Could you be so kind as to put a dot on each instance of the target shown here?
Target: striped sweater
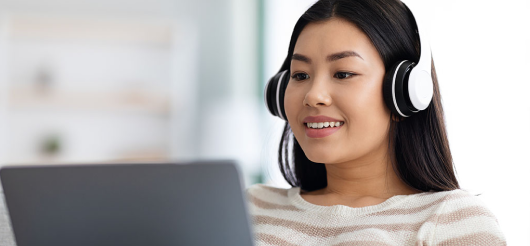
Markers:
(283, 217)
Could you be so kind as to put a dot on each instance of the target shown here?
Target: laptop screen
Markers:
(196, 203)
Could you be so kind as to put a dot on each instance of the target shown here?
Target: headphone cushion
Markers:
(275, 92)
(270, 88)
(395, 88)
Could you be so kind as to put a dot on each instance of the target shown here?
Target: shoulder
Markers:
(464, 218)
(263, 191)
(265, 187)
(461, 205)
(266, 197)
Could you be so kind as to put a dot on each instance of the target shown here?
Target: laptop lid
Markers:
(192, 204)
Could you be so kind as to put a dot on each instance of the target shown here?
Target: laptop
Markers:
(194, 203)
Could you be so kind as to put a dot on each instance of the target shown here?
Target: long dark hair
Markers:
(418, 144)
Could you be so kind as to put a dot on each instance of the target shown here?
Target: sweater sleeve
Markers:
(6, 234)
(467, 221)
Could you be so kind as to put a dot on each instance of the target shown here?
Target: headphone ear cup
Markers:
(395, 89)
(275, 93)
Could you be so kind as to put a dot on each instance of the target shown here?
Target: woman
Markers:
(362, 174)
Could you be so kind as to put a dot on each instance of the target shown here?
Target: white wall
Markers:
(481, 49)
(3, 87)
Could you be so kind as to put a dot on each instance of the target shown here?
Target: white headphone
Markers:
(408, 87)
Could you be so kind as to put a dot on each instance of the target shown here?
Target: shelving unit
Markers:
(99, 88)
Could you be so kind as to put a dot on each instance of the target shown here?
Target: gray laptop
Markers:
(192, 204)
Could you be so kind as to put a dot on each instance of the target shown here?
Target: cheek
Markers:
(363, 101)
(368, 119)
(293, 104)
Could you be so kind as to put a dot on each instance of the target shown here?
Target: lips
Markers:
(321, 132)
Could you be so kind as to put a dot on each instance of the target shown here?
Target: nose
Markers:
(318, 94)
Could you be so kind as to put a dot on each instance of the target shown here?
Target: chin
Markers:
(320, 156)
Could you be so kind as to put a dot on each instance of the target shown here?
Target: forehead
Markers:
(319, 39)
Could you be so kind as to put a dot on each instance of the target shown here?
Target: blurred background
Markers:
(173, 80)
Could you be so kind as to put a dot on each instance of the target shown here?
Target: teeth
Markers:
(320, 125)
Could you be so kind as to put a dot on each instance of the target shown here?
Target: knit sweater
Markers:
(283, 217)
(6, 234)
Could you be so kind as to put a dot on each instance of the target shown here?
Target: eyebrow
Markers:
(330, 58)
(344, 54)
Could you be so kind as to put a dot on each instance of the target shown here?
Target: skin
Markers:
(348, 88)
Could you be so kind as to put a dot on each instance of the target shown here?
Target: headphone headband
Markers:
(420, 85)
(419, 15)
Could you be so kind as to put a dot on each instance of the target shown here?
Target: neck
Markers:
(372, 177)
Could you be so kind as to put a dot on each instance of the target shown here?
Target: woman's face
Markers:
(337, 76)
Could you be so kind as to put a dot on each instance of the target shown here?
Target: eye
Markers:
(300, 76)
(343, 75)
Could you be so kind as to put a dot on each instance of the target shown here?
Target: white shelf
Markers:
(65, 27)
(27, 98)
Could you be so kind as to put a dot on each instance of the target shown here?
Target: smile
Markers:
(322, 129)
